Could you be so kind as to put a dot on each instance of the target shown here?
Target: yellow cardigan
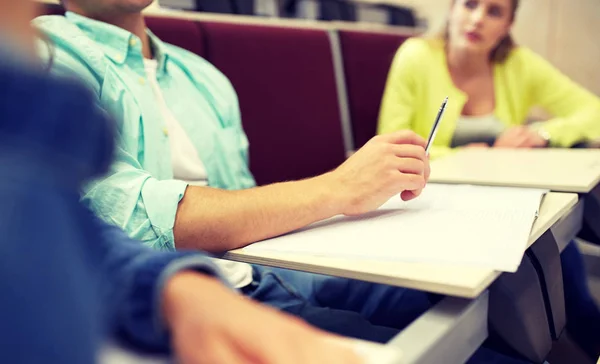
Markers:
(419, 81)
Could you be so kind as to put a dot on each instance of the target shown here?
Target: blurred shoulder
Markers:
(417, 54)
(524, 58)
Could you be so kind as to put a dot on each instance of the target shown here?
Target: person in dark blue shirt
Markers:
(70, 282)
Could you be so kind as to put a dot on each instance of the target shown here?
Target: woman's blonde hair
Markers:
(500, 53)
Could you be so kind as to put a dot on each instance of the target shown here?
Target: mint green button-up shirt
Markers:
(140, 194)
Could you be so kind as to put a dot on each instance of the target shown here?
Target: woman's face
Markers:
(15, 18)
(479, 25)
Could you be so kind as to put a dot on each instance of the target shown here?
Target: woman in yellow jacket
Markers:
(492, 85)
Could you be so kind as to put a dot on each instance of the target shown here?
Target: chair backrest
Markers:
(400, 15)
(288, 98)
(215, 6)
(337, 10)
(244, 7)
(288, 8)
(367, 58)
(180, 32)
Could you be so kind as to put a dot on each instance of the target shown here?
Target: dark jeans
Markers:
(377, 312)
(357, 309)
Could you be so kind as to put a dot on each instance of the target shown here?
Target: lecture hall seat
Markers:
(342, 10)
(215, 6)
(244, 7)
(401, 16)
(285, 81)
(180, 32)
(367, 58)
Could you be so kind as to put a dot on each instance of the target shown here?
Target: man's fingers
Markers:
(283, 350)
(522, 141)
(405, 137)
(339, 351)
(411, 166)
(226, 354)
(410, 151)
(411, 181)
(216, 350)
(410, 195)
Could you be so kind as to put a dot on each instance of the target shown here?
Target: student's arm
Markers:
(167, 214)
(134, 279)
(223, 327)
(221, 220)
(218, 220)
(164, 299)
(399, 98)
(48, 307)
(576, 111)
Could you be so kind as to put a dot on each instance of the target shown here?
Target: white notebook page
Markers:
(451, 224)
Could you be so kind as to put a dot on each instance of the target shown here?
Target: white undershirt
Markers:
(477, 129)
(188, 167)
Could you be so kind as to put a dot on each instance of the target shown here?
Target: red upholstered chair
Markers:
(180, 32)
(285, 81)
(367, 59)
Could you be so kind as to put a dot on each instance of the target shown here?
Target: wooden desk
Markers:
(463, 281)
(562, 170)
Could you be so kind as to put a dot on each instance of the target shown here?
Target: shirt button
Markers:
(166, 132)
(118, 58)
(142, 81)
(132, 42)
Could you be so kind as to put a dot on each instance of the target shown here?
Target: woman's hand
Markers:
(520, 137)
(477, 145)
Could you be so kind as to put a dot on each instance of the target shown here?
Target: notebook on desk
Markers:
(447, 224)
(557, 169)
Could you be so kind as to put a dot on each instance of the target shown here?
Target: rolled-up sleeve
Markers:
(136, 202)
(128, 197)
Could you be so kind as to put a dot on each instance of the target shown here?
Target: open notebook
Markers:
(447, 224)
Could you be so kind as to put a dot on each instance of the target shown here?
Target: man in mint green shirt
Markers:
(166, 101)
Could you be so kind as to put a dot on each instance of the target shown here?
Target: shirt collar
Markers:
(161, 52)
(117, 43)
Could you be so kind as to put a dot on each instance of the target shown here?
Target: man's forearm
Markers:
(218, 220)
